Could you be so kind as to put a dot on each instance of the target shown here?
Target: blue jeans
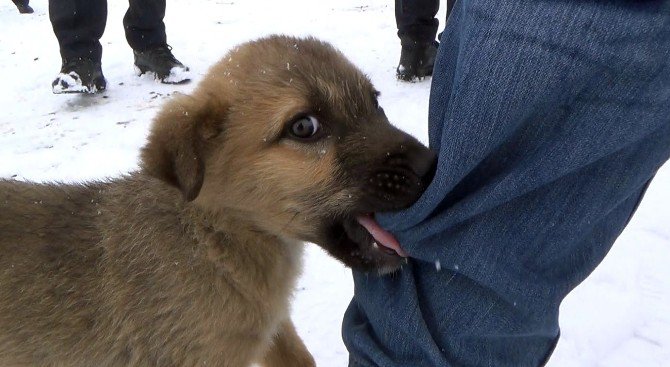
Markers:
(549, 118)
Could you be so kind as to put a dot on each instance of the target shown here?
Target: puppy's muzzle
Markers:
(401, 176)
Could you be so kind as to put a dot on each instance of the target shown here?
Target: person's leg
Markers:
(23, 6)
(145, 33)
(450, 6)
(417, 27)
(416, 20)
(78, 26)
(549, 119)
(143, 24)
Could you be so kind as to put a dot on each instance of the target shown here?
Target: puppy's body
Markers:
(191, 261)
(126, 273)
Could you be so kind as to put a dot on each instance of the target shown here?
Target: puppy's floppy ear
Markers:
(177, 144)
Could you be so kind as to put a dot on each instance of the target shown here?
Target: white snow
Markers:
(70, 83)
(178, 74)
(619, 317)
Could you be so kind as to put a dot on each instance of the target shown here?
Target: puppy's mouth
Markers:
(362, 244)
(382, 239)
(389, 183)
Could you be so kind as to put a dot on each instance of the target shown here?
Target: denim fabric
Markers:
(549, 119)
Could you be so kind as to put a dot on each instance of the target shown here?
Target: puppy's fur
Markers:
(191, 261)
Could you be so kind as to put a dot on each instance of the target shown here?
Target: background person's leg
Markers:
(417, 27)
(143, 24)
(23, 6)
(549, 119)
(145, 33)
(416, 19)
(450, 5)
(78, 26)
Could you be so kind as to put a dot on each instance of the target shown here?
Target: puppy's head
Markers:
(286, 134)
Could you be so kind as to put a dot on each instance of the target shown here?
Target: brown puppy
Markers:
(192, 260)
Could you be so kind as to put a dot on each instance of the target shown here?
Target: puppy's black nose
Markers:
(416, 158)
(423, 162)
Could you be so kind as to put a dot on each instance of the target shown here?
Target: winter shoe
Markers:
(416, 60)
(162, 64)
(79, 76)
(23, 7)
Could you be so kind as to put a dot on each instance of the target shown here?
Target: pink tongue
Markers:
(382, 236)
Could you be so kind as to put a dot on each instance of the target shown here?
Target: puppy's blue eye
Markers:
(305, 127)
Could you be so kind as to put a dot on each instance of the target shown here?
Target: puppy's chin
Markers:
(351, 243)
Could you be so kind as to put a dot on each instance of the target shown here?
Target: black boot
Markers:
(23, 6)
(162, 64)
(416, 60)
(79, 76)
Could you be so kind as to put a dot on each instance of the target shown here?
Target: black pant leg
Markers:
(450, 5)
(416, 19)
(144, 25)
(78, 26)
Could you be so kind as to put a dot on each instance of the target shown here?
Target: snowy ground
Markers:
(619, 317)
